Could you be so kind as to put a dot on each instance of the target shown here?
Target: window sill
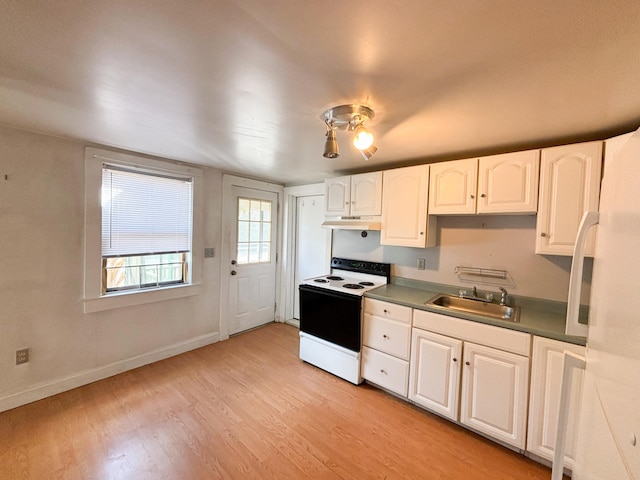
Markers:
(130, 299)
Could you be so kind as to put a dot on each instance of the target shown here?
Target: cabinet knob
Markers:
(346, 203)
(467, 363)
(385, 335)
(382, 371)
(482, 195)
(543, 234)
(421, 233)
(386, 311)
(455, 359)
(472, 196)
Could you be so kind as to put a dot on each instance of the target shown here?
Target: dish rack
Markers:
(484, 276)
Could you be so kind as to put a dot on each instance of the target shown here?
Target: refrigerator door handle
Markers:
(589, 219)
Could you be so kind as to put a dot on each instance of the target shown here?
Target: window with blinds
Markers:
(146, 229)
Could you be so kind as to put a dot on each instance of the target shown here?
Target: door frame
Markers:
(228, 182)
(289, 246)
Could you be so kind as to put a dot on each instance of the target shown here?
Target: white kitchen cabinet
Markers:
(569, 186)
(386, 339)
(506, 183)
(546, 382)
(452, 187)
(434, 380)
(494, 393)
(404, 208)
(354, 195)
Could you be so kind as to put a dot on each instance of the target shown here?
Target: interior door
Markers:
(252, 262)
(313, 243)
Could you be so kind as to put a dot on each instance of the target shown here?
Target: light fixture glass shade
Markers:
(331, 145)
(363, 138)
(367, 153)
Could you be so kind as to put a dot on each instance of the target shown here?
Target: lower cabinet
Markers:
(482, 387)
(435, 372)
(495, 387)
(546, 381)
(386, 338)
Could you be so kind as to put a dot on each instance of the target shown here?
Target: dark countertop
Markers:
(545, 318)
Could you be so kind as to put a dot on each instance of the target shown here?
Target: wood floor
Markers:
(246, 408)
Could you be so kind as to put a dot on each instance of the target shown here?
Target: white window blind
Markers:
(144, 213)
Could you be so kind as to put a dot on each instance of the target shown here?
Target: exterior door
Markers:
(252, 262)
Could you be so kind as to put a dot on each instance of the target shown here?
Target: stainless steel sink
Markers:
(475, 306)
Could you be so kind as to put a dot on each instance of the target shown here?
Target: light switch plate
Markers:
(209, 252)
(420, 264)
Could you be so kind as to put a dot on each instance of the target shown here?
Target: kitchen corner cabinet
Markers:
(506, 183)
(404, 208)
(386, 337)
(354, 195)
(493, 392)
(569, 186)
(546, 382)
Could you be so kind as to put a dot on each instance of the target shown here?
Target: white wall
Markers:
(41, 279)
(498, 242)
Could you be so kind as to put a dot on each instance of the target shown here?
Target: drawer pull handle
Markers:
(383, 371)
(385, 336)
(386, 311)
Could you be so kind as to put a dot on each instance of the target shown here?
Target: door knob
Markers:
(233, 262)
(233, 272)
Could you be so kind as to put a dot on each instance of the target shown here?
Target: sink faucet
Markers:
(503, 296)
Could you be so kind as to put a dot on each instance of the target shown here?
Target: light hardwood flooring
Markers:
(246, 408)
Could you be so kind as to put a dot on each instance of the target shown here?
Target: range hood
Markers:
(352, 223)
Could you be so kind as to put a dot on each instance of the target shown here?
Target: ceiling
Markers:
(241, 85)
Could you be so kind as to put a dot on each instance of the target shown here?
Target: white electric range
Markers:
(331, 315)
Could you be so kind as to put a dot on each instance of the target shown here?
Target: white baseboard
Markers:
(70, 382)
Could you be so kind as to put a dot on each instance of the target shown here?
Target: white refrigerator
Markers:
(608, 443)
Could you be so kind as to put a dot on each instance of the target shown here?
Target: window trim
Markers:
(93, 299)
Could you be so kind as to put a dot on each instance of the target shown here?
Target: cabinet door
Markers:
(434, 372)
(546, 382)
(404, 208)
(495, 393)
(569, 186)
(509, 183)
(452, 187)
(366, 194)
(337, 194)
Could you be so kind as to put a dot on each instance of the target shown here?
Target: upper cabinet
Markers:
(354, 195)
(569, 186)
(506, 183)
(404, 208)
(452, 187)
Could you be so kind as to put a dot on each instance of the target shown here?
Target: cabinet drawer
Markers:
(497, 337)
(386, 371)
(388, 310)
(389, 336)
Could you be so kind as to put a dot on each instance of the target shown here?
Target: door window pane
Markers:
(254, 231)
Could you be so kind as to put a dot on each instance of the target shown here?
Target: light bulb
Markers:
(331, 145)
(363, 138)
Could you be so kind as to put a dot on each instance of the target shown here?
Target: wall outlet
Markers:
(22, 356)
(420, 264)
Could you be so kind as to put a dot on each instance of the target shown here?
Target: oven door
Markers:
(331, 316)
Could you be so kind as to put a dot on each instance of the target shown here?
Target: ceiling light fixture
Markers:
(350, 118)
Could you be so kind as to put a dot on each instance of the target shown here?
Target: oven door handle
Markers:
(327, 292)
